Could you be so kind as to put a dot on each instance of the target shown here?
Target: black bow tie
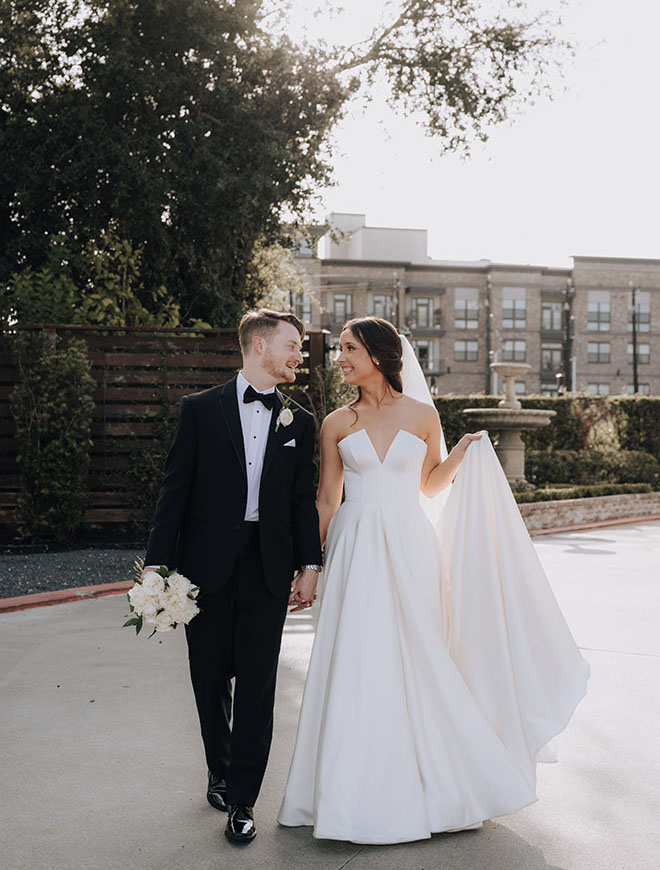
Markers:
(267, 399)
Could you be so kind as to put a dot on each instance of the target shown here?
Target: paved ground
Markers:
(102, 767)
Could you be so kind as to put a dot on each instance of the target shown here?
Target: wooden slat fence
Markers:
(135, 369)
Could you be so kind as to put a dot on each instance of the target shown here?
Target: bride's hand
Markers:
(468, 438)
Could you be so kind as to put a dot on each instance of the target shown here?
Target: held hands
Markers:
(303, 590)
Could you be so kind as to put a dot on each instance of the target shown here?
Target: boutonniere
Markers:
(285, 417)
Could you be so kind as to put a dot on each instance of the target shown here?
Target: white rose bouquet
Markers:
(162, 598)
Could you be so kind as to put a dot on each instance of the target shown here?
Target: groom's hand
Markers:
(303, 590)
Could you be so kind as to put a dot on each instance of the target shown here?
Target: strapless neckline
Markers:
(387, 452)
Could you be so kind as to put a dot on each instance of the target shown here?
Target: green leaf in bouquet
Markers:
(136, 621)
(163, 571)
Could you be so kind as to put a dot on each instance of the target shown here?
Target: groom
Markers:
(236, 514)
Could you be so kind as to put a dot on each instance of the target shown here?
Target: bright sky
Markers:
(575, 175)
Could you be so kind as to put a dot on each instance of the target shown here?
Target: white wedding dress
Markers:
(442, 666)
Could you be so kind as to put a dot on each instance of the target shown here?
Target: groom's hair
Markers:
(264, 321)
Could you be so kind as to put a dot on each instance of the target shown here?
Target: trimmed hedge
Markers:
(564, 492)
(581, 422)
(638, 422)
(591, 466)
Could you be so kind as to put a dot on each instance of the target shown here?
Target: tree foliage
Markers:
(189, 129)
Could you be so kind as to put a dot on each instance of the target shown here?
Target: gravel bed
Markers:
(23, 573)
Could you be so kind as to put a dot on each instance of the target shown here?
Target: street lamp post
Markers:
(396, 284)
(568, 336)
(488, 336)
(633, 291)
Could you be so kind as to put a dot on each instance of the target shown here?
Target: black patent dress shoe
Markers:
(216, 793)
(240, 824)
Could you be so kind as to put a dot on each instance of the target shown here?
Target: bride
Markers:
(442, 666)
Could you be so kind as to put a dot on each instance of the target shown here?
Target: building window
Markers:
(382, 305)
(514, 308)
(642, 389)
(466, 308)
(514, 350)
(551, 354)
(643, 304)
(549, 390)
(598, 311)
(424, 351)
(466, 351)
(520, 388)
(643, 353)
(422, 312)
(598, 389)
(598, 351)
(551, 316)
(302, 307)
(342, 305)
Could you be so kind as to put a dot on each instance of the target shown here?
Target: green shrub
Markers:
(591, 466)
(564, 492)
(638, 422)
(37, 297)
(52, 407)
(146, 460)
(581, 422)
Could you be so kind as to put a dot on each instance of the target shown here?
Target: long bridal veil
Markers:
(503, 626)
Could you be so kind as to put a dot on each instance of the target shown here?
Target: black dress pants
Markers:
(237, 634)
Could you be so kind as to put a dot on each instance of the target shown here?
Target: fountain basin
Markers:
(510, 419)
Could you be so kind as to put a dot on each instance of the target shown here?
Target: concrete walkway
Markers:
(102, 765)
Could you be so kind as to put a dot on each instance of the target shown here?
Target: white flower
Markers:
(180, 584)
(137, 598)
(163, 621)
(168, 598)
(184, 612)
(149, 610)
(285, 417)
(152, 583)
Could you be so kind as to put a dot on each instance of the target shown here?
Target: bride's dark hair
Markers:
(383, 345)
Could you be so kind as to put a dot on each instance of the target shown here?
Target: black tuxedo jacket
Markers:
(202, 500)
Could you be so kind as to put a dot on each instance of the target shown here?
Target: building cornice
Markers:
(482, 268)
(640, 261)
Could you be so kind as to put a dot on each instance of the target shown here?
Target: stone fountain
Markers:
(510, 419)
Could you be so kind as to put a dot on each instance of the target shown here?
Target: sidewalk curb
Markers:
(63, 596)
(80, 593)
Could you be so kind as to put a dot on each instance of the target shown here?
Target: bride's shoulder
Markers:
(337, 420)
(424, 410)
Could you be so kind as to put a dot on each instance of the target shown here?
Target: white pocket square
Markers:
(291, 443)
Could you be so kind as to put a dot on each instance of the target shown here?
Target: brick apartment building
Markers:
(573, 326)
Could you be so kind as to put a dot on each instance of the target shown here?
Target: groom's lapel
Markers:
(228, 399)
(273, 436)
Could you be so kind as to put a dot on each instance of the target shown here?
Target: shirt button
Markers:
(249, 463)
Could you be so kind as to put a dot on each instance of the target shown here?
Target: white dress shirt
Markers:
(255, 422)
